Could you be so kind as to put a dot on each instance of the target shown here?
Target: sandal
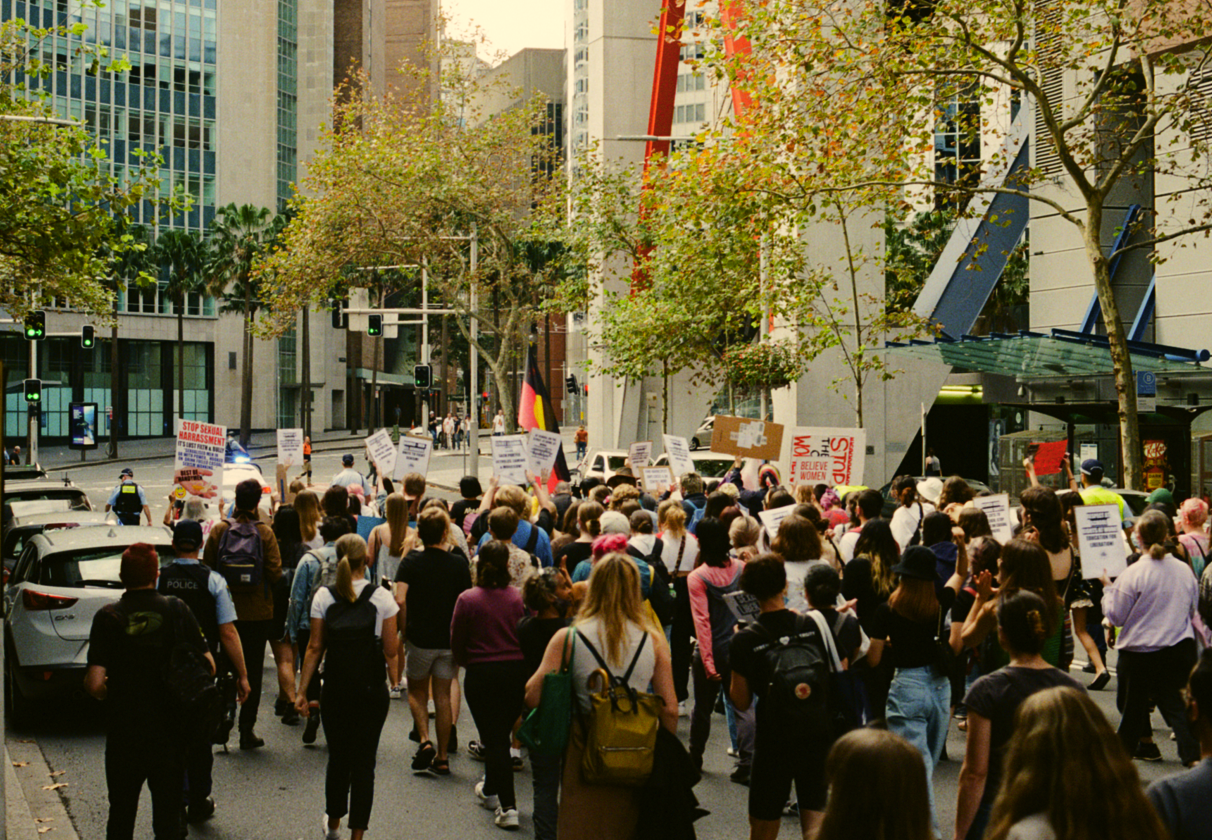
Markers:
(424, 757)
(439, 767)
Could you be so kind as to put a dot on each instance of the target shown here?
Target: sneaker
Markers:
(200, 811)
(791, 809)
(489, 802)
(683, 709)
(731, 752)
(394, 692)
(517, 763)
(313, 726)
(740, 775)
(329, 833)
(506, 818)
(476, 750)
(1147, 752)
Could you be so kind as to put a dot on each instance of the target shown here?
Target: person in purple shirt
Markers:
(484, 640)
(1154, 602)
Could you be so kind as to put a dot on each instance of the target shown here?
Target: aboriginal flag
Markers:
(536, 412)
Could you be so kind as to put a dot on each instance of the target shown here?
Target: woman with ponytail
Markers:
(353, 629)
(387, 546)
(1024, 623)
(589, 526)
(1154, 602)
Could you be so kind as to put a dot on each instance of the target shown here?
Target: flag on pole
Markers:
(536, 412)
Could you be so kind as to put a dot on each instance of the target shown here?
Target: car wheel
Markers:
(694, 444)
(20, 708)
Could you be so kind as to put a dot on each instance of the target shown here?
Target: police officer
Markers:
(128, 500)
(206, 594)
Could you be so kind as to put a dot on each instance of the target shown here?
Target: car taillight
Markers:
(45, 601)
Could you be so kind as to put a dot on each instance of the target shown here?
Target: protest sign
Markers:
(510, 460)
(1100, 540)
(382, 452)
(657, 479)
(745, 607)
(290, 447)
(198, 465)
(830, 456)
(542, 448)
(749, 438)
(678, 450)
(412, 456)
(773, 518)
(1048, 455)
(997, 511)
(640, 455)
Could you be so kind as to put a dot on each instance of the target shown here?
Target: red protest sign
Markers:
(1048, 457)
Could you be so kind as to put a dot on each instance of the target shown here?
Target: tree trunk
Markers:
(305, 404)
(1125, 380)
(246, 384)
(112, 446)
(180, 304)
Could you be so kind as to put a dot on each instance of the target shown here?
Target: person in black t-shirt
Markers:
(129, 645)
(471, 491)
(778, 760)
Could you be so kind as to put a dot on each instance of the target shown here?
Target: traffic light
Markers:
(33, 391)
(571, 384)
(374, 325)
(421, 377)
(340, 320)
(88, 337)
(35, 325)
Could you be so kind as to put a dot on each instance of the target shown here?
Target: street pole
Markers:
(425, 337)
(35, 413)
(763, 271)
(473, 432)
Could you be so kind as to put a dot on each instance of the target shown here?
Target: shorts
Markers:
(778, 763)
(420, 663)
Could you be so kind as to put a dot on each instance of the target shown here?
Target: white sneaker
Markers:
(394, 692)
(732, 753)
(506, 818)
(683, 709)
(329, 833)
(491, 803)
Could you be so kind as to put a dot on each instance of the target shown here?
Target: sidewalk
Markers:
(33, 807)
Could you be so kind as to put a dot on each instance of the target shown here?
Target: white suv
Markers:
(61, 580)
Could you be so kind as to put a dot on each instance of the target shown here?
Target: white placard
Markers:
(198, 464)
(640, 455)
(542, 448)
(510, 460)
(678, 450)
(832, 456)
(997, 511)
(382, 451)
(657, 479)
(745, 607)
(412, 456)
(773, 518)
(290, 447)
(1088, 451)
(1100, 539)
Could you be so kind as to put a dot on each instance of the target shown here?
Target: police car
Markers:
(61, 580)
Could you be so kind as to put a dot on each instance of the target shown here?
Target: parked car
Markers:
(602, 464)
(56, 496)
(702, 435)
(890, 504)
(25, 525)
(712, 466)
(24, 472)
(60, 581)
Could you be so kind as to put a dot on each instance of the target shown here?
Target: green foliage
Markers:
(763, 366)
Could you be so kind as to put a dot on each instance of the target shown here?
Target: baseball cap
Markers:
(126, 471)
(187, 534)
(1090, 466)
(613, 522)
(347, 459)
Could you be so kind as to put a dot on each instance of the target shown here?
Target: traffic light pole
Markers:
(34, 412)
(473, 389)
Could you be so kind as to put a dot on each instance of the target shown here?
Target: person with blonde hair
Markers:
(875, 760)
(743, 535)
(1066, 777)
(615, 624)
(346, 619)
(307, 505)
(387, 545)
(680, 553)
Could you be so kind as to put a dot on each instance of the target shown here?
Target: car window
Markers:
(712, 466)
(617, 462)
(597, 464)
(98, 567)
(14, 542)
(22, 570)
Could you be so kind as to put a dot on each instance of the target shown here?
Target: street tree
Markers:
(848, 95)
(405, 180)
(182, 257)
(130, 263)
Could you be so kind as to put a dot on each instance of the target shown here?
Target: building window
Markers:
(957, 140)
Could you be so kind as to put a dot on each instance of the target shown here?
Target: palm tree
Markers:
(182, 254)
(128, 266)
(239, 235)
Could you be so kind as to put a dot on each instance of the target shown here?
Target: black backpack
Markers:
(354, 661)
(797, 693)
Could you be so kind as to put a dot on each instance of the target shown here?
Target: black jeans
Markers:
(132, 759)
(353, 722)
(199, 762)
(705, 694)
(494, 692)
(679, 643)
(253, 637)
(1161, 676)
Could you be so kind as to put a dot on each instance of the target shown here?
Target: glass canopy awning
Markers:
(1030, 355)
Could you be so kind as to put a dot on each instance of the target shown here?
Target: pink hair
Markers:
(1194, 512)
(607, 543)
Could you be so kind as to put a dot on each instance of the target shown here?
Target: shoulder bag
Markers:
(545, 729)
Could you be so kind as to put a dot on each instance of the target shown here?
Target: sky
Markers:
(510, 25)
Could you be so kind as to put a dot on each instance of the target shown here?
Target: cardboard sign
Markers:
(773, 518)
(744, 606)
(542, 449)
(640, 455)
(382, 451)
(657, 479)
(997, 511)
(290, 447)
(678, 450)
(510, 459)
(750, 438)
(827, 456)
(1048, 456)
(412, 456)
(198, 464)
(1100, 539)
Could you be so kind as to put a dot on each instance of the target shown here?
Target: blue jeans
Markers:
(919, 704)
(546, 770)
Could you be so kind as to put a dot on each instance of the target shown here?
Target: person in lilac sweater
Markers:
(484, 641)
(1154, 602)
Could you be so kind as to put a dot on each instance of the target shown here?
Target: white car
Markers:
(712, 466)
(233, 474)
(602, 464)
(60, 581)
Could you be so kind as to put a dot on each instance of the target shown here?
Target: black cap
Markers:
(126, 471)
(1092, 466)
(187, 535)
(347, 460)
(917, 562)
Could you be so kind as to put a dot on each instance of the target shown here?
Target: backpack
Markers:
(354, 660)
(620, 741)
(797, 691)
(326, 575)
(192, 686)
(532, 544)
(240, 558)
(695, 517)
